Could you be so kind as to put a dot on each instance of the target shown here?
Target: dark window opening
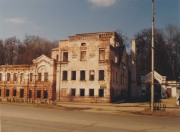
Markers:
(83, 56)
(82, 75)
(73, 75)
(0, 76)
(91, 75)
(46, 76)
(65, 75)
(38, 93)
(91, 92)
(45, 94)
(82, 92)
(57, 57)
(39, 76)
(30, 93)
(101, 92)
(83, 44)
(101, 74)
(0, 92)
(65, 56)
(73, 92)
(22, 76)
(7, 92)
(21, 93)
(14, 92)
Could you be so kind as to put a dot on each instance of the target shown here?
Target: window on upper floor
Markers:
(101, 54)
(57, 57)
(83, 44)
(91, 75)
(31, 77)
(65, 76)
(39, 76)
(83, 56)
(22, 77)
(15, 77)
(46, 76)
(0, 76)
(8, 76)
(73, 75)
(82, 75)
(101, 75)
(65, 56)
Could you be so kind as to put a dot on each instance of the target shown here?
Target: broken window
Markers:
(21, 93)
(46, 76)
(38, 93)
(83, 56)
(30, 93)
(65, 56)
(14, 92)
(101, 74)
(31, 76)
(0, 76)
(73, 75)
(45, 94)
(39, 76)
(73, 92)
(7, 92)
(101, 92)
(101, 54)
(15, 77)
(65, 75)
(91, 92)
(8, 76)
(82, 92)
(82, 75)
(91, 75)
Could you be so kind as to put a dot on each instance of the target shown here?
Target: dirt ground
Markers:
(167, 107)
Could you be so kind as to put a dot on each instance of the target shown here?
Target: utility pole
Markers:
(152, 50)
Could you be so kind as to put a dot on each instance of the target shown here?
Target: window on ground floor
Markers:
(7, 92)
(30, 93)
(38, 93)
(21, 93)
(82, 92)
(14, 92)
(73, 92)
(45, 94)
(91, 92)
(101, 92)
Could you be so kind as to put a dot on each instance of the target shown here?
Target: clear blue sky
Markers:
(58, 19)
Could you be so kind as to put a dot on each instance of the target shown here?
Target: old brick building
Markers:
(90, 67)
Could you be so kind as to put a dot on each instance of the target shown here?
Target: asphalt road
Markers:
(29, 119)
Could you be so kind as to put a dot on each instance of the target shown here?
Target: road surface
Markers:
(33, 119)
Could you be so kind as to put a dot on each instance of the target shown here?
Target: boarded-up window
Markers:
(82, 92)
(83, 56)
(73, 92)
(91, 75)
(73, 75)
(101, 74)
(65, 75)
(15, 77)
(64, 92)
(65, 56)
(8, 76)
(39, 76)
(82, 75)
(46, 76)
(101, 54)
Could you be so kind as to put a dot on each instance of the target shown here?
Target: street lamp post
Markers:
(152, 50)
